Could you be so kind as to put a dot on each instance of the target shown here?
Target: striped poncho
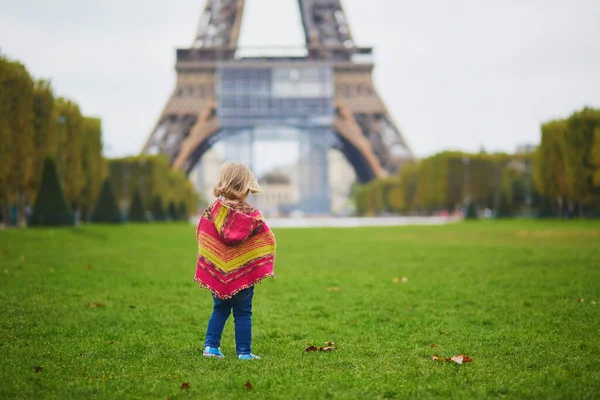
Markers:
(236, 248)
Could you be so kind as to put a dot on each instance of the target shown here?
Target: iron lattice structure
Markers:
(328, 94)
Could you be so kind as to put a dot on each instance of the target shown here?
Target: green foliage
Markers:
(472, 211)
(153, 176)
(504, 293)
(17, 147)
(158, 212)
(34, 125)
(566, 165)
(44, 126)
(578, 147)
(70, 124)
(183, 211)
(137, 213)
(50, 207)
(173, 213)
(359, 194)
(92, 163)
(107, 208)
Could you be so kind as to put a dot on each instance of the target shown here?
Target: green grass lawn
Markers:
(506, 294)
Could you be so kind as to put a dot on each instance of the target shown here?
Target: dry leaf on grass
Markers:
(248, 385)
(581, 300)
(433, 345)
(334, 289)
(185, 386)
(330, 347)
(456, 359)
(89, 267)
(398, 280)
(94, 304)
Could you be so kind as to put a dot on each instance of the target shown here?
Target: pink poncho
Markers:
(236, 248)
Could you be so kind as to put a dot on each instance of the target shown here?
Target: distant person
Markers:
(236, 250)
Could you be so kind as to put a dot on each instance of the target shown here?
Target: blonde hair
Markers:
(235, 182)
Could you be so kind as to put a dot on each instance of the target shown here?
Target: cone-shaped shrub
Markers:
(107, 208)
(158, 213)
(504, 209)
(472, 211)
(50, 207)
(136, 211)
(183, 213)
(173, 212)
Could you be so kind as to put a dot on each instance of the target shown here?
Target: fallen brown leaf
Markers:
(94, 304)
(433, 345)
(330, 347)
(334, 289)
(581, 300)
(248, 385)
(89, 267)
(457, 359)
(185, 386)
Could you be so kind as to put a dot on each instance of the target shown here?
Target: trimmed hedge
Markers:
(107, 209)
(50, 206)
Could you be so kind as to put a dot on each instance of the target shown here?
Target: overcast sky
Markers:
(457, 74)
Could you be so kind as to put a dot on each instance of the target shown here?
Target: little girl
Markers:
(236, 250)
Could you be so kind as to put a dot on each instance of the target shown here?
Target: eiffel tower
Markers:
(327, 94)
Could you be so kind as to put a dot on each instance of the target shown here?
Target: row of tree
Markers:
(567, 163)
(155, 180)
(51, 207)
(450, 181)
(561, 176)
(34, 125)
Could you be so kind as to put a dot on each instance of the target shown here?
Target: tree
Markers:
(137, 213)
(577, 151)
(107, 209)
(44, 127)
(549, 174)
(6, 139)
(158, 213)
(17, 144)
(596, 156)
(173, 212)
(70, 123)
(183, 211)
(92, 163)
(472, 211)
(152, 176)
(50, 207)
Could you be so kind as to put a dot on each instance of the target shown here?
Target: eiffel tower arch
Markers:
(327, 96)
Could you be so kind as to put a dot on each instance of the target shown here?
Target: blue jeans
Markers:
(241, 303)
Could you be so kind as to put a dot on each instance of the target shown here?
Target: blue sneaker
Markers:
(248, 357)
(212, 352)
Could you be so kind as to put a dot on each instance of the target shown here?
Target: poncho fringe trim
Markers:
(229, 296)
